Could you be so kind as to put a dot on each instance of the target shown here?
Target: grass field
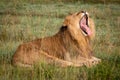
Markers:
(24, 21)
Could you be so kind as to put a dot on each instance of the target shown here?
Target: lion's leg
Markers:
(87, 62)
(60, 62)
(81, 60)
(67, 56)
(93, 61)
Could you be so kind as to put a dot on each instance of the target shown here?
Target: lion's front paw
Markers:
(95, 60)
(92, 61)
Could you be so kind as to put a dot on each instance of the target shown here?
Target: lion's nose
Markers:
(85, 12)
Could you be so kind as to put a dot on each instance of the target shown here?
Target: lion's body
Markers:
(69, 47)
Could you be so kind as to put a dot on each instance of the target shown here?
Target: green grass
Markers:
(24, 21)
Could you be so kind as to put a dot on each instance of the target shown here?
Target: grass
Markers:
(23, 21)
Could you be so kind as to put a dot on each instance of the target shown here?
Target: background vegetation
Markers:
(25, 20)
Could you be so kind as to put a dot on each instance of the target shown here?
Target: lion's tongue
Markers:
(85, 27)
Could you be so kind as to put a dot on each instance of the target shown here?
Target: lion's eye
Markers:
(80, 12)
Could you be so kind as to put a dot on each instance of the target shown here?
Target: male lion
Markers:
(71, 46)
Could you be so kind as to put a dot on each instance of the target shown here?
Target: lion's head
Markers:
(80, 24)
(81, 28)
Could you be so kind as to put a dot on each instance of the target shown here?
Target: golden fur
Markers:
(69, 47)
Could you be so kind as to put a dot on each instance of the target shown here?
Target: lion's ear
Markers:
(63, 28)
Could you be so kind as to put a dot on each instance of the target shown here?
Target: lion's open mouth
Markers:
(84, 25)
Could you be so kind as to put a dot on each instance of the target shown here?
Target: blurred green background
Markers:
(25, 20)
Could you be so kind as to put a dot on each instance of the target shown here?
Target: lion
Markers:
(71, 46)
